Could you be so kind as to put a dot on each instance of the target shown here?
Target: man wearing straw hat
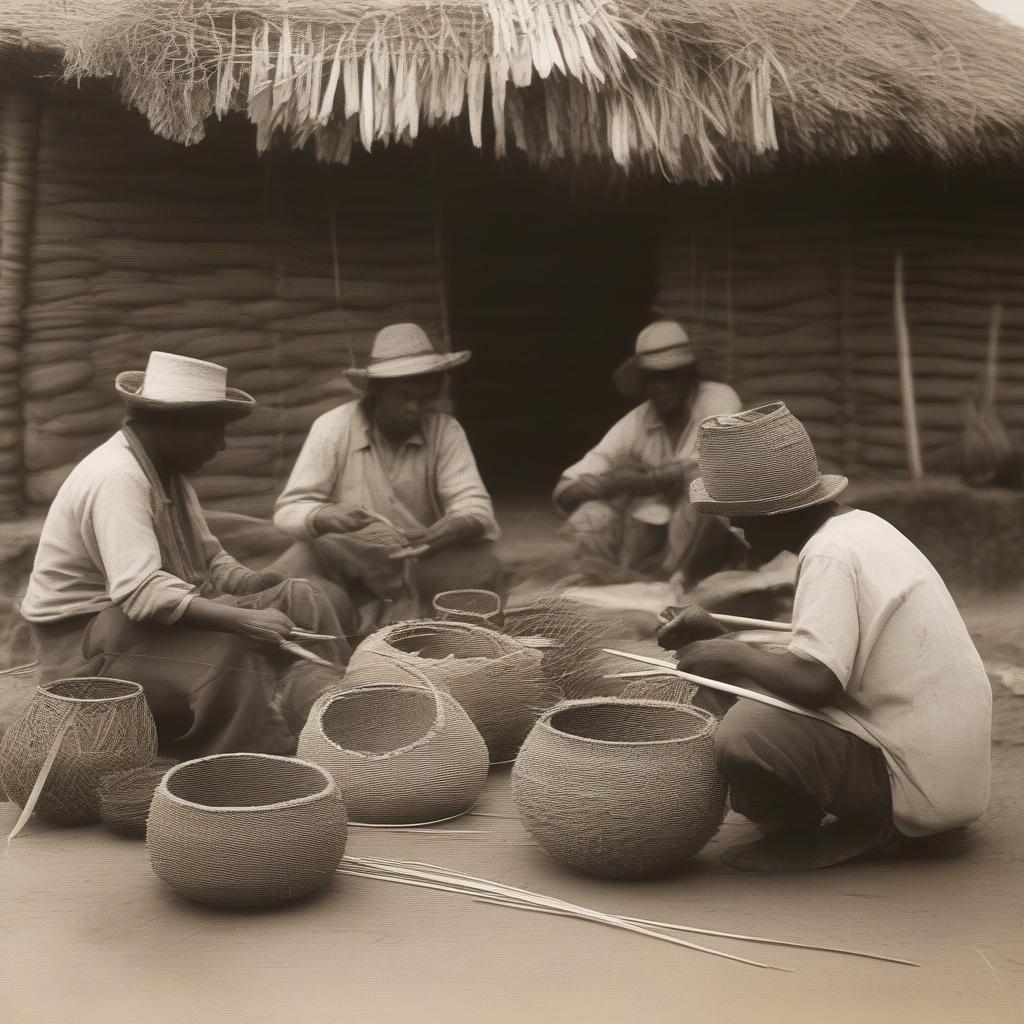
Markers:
(385, 497)
(129, 582)
(626, 499)
(897, 745)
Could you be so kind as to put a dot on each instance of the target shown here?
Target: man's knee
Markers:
(748, 736)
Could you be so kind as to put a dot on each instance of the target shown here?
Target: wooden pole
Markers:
(913, 440)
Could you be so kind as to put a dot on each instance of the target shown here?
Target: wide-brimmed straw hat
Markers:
(660, 346)
(174, 383)
(759, 462)
(404, 350)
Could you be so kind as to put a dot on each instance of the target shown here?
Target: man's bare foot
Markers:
(808, 848)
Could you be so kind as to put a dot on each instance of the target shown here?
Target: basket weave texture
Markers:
(125, 797)
(108, 728)
(670, 688)
(401, 753)
(246, 830)
(620, 788)
(480, 607)
(500, 683)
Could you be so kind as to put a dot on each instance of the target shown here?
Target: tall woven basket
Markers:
(620, 788)
(246, 830)
(479, 607)
(90, 727)
(401, 753)
(499, 682)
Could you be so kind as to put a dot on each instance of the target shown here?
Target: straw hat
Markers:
(404, 350)
(660, 346)
(759, 463)
(179, 384)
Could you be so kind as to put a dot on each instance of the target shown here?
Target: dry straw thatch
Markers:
(693, 89)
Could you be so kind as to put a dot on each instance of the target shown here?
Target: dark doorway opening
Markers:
(548, 287)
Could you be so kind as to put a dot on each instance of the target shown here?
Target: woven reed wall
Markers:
(214, 253)
(792, 299)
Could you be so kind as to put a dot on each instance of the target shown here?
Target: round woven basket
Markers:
(620, 788)
(97, 725)
(479, 607)
(498, 681)
(125, 797)
(401, 753)
(246, 830)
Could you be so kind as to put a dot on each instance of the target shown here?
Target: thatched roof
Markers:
(694, 89)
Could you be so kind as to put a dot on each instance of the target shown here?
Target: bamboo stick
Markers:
(906, 373)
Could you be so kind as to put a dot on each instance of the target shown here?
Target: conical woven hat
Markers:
(759, 462)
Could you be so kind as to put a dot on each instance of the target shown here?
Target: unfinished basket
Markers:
(246, 830)
(92, 726)
(125, 797)
(401, 753)
(620, 788)
(479, 607)
(498, 681)
(670, 688)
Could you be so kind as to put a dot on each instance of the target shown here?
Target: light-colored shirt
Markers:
(872, 608)
(98, 547)
(641, 436)
(345, 461)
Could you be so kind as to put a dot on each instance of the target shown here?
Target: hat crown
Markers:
(756, 455)
(661, 335)
(399, 341)
(174, 378)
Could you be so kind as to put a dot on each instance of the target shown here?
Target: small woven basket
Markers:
(246, 830)
(498, 681)
(620, 788)
(93, 726)
(125, 797)
(479, 607)
(401, 753)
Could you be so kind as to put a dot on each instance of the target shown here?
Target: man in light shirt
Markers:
(896, 744)
(626, 499)
(385, 497)
(129, 582)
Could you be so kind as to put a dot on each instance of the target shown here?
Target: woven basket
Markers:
(620, 788)
(125, 797)
(479, 607)
(401, 753)
(246, 830)
(97, 725)
(500, 683)
(667, 687)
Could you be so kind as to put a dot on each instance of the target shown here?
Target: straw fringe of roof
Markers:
(693, 89)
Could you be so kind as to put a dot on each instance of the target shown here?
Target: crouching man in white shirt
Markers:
(899, 744)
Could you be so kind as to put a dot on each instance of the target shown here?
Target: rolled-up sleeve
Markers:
(122, 527)
(460, 489)
(311, 483)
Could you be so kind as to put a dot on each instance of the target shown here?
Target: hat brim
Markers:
(236, 404)
(407, 366)
(828, 487)
(629, 377)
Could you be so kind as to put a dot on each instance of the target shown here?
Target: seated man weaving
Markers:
(898, 739)
(129, 582)
(626, 499)
(385, 498)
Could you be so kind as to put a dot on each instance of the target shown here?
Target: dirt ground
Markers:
(90, 935)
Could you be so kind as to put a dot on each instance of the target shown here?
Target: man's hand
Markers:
(447, 531)
(262, 625)
(342, 519)
(688, 625)
(715, 659)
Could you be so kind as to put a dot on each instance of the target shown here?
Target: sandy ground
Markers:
(90, 935)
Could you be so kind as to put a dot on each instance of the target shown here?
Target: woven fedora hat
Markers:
(404, 350)
(176, 383)
(660, 346)
(759, 462)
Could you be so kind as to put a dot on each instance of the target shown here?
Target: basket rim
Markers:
(330, 787)
(44, 689)
(507, 645)
(709, 720)
(436, 727)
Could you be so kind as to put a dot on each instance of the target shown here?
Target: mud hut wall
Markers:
(212, 252)
(799, 307)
